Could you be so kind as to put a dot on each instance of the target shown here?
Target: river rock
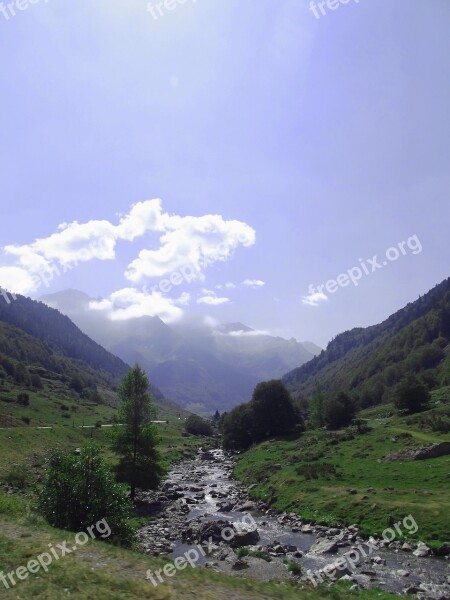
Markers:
(324, 547)
(246, 506)
(422, 550)
(245, 538)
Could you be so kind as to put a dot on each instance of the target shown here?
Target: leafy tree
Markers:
(21, 374)
(237, 427)
(23, 399)
(95, 397)
(36, 382)
(135, 442)
(339, 411)
(317, 408)
(76, 384)
(216, 417)
(411, 395)
(270, 412)
(274, 412)
(198, 426)
(7, 365)
(80, 490)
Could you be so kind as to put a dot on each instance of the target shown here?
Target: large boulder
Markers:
(420, 452)
(324, 547)
(244, 537)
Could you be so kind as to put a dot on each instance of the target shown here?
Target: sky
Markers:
(246, 160)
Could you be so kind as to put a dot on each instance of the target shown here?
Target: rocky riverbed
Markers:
(201, 503)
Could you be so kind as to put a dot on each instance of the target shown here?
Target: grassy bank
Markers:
(103, 572)
(343, 479)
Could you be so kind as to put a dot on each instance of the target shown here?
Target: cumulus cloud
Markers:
(194, 242)
(254, 283)
(213, 300)
(314, 299)
(16, 279)
(226, 286)
(130, 303)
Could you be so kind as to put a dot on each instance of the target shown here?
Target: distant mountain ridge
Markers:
(200, 367)
(369, 362)
(32, 332)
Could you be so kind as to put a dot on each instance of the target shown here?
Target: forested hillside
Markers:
(59, 332)
(369, 362)
(39, 337)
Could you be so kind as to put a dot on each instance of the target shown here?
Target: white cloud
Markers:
(226, 286)
(130, 303)
(194, 242)
(183, 300)
(212, 300)
(254, 283)
(187, 242)
(252, 333)
(16, 280)
(314, 299)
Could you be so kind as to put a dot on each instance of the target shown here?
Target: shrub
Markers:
(18, 479)
(76, 384)
(21, 375)
(23, 399)
(36, 382)
(318, 471)
(80, 491)
(339, 411)
(198, 426)
(411, 395)
(26, 420)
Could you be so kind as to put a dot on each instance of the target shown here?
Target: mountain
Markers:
(203, 368)
(369, 362)
(34, 333)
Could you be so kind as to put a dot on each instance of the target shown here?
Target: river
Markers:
(201, 497)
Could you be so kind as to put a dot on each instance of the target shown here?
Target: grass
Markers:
(334, 482)
(99, 571)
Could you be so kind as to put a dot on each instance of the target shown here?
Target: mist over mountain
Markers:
(37, 334)
(201, 365)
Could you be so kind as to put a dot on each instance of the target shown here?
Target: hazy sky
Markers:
(283, 147)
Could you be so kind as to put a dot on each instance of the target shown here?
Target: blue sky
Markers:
(284, 148)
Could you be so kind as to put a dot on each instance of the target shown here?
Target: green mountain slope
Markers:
(369, 362)
(43, 342)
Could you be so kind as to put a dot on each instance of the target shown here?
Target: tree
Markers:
(23, 399)
(80, 490)
(198, 426)
(76, 384)
(135, 441)
(317, 408)
(36, 382)
(339, 411)
(21, 374)
(274, 412)
(411, 395)
(237, 428)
